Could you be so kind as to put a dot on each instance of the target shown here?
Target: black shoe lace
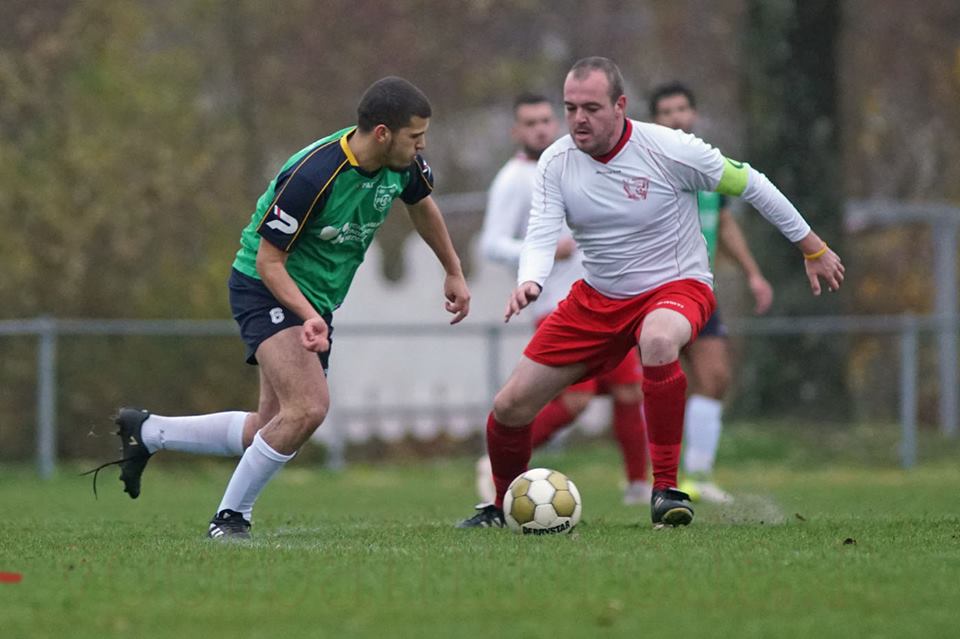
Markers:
(96, 472)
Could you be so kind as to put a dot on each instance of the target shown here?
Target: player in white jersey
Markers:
(708, 361)
(505, 223)
(627, 190)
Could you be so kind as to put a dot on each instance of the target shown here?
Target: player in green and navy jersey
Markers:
(674, 105)
(297, 257)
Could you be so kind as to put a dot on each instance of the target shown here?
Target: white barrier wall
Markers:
(389, 387)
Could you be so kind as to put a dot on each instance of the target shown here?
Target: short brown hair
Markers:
(583, 67)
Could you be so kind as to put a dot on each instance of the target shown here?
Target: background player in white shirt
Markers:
(628, 191)
(708, 361)
(535, 127)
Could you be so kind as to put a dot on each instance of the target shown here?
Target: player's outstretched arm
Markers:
(428, 222)
(697, 166)
(754, 187)
(272, 267)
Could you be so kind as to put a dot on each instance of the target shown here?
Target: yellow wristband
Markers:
(818, 254)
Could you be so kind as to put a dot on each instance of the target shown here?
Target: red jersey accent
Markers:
(612, 153)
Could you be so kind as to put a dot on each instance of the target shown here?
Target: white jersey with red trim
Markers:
(505, 224)
(633, 211)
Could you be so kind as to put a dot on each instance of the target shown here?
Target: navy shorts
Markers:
(714, 327)
(261, 316)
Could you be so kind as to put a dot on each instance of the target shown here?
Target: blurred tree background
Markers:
(135, 137)
(791, 105)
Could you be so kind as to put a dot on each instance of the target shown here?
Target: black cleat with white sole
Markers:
(488, 516)
(228, 524)
(670, 507)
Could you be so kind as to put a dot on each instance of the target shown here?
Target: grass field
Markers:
(370, 552)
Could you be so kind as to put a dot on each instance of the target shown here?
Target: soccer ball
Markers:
(542, 502)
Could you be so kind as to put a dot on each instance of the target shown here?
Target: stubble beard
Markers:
(533, 153)
(389, 156)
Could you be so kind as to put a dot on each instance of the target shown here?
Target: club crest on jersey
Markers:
(383, 196)
(285, 223)
(636, 188)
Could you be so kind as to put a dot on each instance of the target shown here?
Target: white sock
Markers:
(701, 434)
(257, 466)
(215, 434)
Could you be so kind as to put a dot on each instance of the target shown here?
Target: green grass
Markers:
(370, 552)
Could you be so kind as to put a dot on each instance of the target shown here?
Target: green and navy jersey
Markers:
(709, 205)
(324, 210)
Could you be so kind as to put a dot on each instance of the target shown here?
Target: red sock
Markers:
(509, 450)
(631, 432)
(664, 399)
(552, 418)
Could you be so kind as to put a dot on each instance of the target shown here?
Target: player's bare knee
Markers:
(501, 406)
(306, 415)
(309, 424)
(510, 411)
(314, 416)
(657, 349)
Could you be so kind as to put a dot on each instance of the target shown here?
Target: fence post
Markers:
(336, 449)
(908, 392)
(945, 271)
(46, 397)
(494, 332)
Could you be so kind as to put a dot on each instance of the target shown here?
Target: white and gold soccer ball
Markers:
(542, 502)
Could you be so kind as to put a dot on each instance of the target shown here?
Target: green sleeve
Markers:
(734, 178)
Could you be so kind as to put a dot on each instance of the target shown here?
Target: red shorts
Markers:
(590, 328)
(628, 371)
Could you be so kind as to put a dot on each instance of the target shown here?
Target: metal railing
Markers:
(48, 331)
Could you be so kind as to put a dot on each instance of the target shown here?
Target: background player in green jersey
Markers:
(297, 257)
(674, 105)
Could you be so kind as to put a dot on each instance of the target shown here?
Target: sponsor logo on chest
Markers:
(349, 232)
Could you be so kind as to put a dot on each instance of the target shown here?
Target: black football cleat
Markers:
(670, 507)
(228, 525)
(488, 516)
(133, 452)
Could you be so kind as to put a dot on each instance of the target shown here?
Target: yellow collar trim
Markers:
(346, 147)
